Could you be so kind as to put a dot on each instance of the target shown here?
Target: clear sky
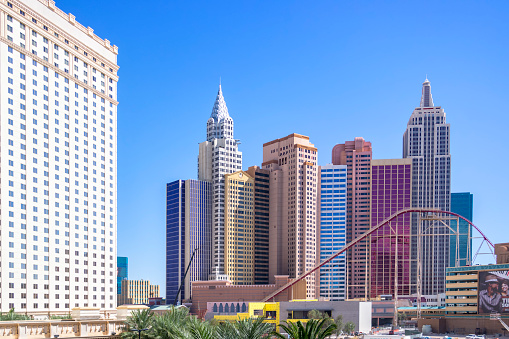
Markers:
(332, 70)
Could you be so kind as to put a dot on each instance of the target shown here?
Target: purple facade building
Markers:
(390, 246)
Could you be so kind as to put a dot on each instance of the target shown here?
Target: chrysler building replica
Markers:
(427, 142)
(219, 155)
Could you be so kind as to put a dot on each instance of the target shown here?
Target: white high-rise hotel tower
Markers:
(58, 158)
(219, 155)
(427, 141)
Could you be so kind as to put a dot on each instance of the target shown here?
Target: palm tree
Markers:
(253, 328)
(226, 330)
(314, 329)
(201, 329)
(173, 324)
(139, 319)
(165, 327)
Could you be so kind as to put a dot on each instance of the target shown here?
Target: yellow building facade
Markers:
(135, 292)
(267, 310)
(239, 228)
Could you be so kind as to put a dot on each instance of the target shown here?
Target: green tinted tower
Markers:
(462, 204)
(121, 272)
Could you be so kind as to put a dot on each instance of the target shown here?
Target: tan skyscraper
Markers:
(247, 226)
(356, 155)
(239, 227)
(292, 162)
(137, 292)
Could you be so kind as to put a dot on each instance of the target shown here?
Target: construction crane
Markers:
(184, 277)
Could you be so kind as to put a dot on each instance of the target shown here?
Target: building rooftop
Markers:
(477, 268)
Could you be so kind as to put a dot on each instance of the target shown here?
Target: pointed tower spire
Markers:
(426, 98)
(219, 111)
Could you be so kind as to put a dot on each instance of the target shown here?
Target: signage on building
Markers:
(493, 292)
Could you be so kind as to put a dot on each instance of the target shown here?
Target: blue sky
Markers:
(332, 70)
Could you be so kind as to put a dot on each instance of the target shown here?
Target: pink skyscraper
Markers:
(356, 155)
(390, 246)
(292, 162)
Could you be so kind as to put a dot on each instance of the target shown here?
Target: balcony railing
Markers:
(61, 328)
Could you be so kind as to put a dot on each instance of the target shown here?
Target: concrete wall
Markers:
(355, 311)
(465, 325)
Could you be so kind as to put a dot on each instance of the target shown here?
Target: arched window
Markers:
(214, 308)
(220, 308)
(226, 308)
(238, 307)
(244, 308)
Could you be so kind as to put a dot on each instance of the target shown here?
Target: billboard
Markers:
(493, 292)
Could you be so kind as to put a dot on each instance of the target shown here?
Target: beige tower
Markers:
(239, 228)
(292, 162)
(137, 292)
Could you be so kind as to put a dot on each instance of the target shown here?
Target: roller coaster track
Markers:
(503, 324)
(368, 233)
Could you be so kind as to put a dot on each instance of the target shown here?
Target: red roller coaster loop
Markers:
(353, 242)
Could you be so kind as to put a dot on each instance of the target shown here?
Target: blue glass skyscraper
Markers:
(188, 228)
(198, 231)
(332, 200)
(461, 249)
(175, 237)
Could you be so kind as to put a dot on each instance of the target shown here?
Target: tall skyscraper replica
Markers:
(332, 221)
(427, 142)
(219, 155)
(58, 183)
(292, 162)
(356, 155)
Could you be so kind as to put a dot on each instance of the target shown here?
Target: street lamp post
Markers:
(139, 331)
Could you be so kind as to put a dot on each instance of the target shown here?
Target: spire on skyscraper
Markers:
(219, 111)
(426, 98)
(427, 141)
(219, 155)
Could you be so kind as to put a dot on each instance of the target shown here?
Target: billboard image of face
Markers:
(493, 292)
